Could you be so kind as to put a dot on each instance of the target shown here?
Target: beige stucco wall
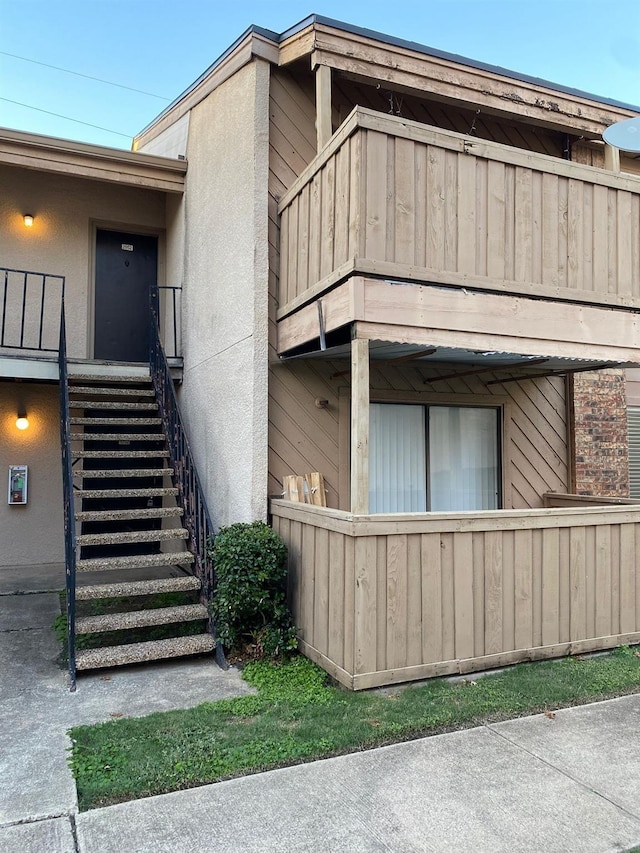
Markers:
(66, 209)
(224, 393)
(33, 533)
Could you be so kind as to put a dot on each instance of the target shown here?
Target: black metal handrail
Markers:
(197, 519)
(27, 305)
(170, 324)
(67, 487)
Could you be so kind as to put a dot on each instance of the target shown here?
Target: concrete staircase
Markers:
(128, 521)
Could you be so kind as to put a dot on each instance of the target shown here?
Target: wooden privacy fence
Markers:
(390, 598)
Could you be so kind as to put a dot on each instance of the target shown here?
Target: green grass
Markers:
(296, 716)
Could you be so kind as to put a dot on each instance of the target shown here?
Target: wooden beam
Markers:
(611, 158)
(324, 127)
(376, 365)
(485, 368)
(359, 426)
(568, 372)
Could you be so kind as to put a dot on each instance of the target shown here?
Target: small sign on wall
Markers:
(18, 477)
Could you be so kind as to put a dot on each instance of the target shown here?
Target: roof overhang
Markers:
(404, 65)
(441, 363)
(95, 162)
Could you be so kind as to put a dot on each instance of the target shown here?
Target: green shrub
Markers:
(250, 601)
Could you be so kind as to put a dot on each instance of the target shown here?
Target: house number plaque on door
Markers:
(127, 247)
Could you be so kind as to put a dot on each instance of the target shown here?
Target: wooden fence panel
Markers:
(402, 604)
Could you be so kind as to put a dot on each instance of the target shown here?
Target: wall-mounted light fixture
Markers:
(28, 220)
(22, 421)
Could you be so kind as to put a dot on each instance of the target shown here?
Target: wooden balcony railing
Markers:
(392, 197)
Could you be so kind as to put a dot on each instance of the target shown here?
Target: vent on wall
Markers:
(633, 423)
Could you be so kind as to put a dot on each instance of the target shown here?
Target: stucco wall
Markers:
(224, 393)
(33, 533)
(61, 239)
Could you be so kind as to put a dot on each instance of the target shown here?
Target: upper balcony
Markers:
(30, 311)
(398, 201)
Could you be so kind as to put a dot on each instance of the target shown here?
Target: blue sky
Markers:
(160, 47)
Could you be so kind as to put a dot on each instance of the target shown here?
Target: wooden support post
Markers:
(324, 127)
(359, 426)
(611, 158)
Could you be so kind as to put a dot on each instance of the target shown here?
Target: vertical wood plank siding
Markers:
(465, 207)
(413, 601)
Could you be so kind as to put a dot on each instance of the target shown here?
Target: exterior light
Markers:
(22, 421)
(28, 220)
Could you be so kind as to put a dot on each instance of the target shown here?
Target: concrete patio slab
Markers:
(26, 612)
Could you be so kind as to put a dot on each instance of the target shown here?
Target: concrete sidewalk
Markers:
(541, 785)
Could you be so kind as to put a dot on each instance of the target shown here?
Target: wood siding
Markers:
(399, 193)
(304, 438)
(384, 599)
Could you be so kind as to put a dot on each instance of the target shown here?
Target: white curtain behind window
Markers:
(397, 458)
(463, 458)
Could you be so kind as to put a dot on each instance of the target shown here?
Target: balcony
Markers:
(390, 201)
(30, 304)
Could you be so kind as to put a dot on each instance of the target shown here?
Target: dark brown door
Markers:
(126, 268)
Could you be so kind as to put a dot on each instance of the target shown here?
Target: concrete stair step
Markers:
(126, 537)
(125, 405)
(120, 454)
(115, 421)
(84, 378)
(185, 583)
(126, 493)
(123, 472)
(140, 618)
(142, 652)
(116, 436)
(90, 390)
(129, 514)
(97, 564)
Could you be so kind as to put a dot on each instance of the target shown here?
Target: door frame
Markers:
(96, 225)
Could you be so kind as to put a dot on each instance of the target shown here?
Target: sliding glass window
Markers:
(433, 458)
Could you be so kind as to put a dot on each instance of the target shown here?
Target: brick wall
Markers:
(601, 465)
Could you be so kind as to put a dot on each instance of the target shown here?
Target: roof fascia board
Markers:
(450, 80)
(252, 44)
(415, 47)
(46, 154)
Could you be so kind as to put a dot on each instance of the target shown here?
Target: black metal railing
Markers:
(197, 519)
(69, 516)
(30, 309)
(169, 306)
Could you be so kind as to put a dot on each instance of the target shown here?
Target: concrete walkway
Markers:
(570, 783)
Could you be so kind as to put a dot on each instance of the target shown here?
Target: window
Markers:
(433, 458)
(633, 422)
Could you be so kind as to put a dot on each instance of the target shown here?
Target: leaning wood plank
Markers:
(315, 489)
